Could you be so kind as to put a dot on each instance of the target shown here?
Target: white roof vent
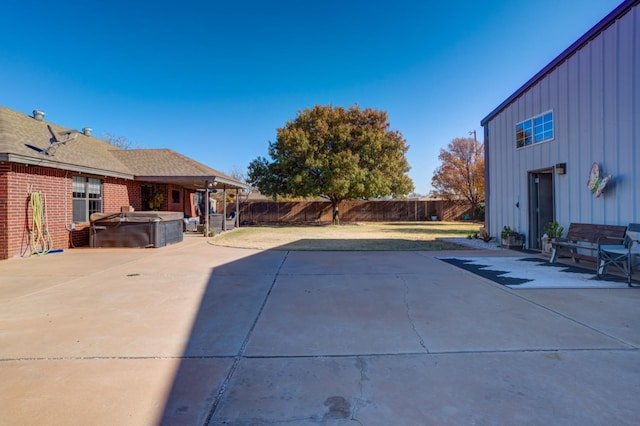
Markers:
(38, 115)
(87, 131)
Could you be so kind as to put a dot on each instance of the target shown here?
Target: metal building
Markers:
(565, 146)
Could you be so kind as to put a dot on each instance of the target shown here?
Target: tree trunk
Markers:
(474, 204)
(336, 214)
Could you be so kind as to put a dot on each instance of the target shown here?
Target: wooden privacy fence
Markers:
(254, 211)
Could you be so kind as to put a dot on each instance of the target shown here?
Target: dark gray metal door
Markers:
(541, 205)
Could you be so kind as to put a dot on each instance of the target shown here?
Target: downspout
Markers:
(68, 226)
(487, 186)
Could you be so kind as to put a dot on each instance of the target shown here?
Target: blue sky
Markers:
(214, 80)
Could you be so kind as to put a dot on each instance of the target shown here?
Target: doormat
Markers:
(533, 272)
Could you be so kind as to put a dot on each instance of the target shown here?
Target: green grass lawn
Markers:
(360, 236)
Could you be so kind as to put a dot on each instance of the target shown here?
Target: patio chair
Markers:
(191, 223)
(623, 256)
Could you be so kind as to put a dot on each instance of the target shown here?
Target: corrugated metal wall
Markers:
(595, 99)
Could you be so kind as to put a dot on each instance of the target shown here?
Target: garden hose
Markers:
(40, 238)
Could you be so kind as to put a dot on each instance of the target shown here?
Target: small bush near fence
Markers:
(259, 212)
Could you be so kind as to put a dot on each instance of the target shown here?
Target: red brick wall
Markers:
(21, 181)
(118, 193)
(4, 196)
(56, 187)
(16, 182)
(175, 207)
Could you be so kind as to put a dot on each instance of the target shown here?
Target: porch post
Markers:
(224, 209)
(237, 208)
(206, 208)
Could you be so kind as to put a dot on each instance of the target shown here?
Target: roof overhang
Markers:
(189, 182)
(196, 182)
(43, 162)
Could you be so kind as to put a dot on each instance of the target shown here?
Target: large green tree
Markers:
(461, 172)
(334, 153)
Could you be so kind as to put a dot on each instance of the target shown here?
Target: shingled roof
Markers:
(165, 165)
(25, 140)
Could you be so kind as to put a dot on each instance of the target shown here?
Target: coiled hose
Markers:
(40, 238)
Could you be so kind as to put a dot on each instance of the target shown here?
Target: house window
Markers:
(534, 130)
(87, 198)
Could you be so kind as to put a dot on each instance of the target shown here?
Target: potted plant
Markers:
(155, 202)
(551, 232)
(434, 214)
(511, 238)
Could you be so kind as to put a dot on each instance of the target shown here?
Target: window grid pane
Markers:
(95, 206)
(534, 130)
(87, 197)
(79, 211)
(78, 187)
(93, 186)
(523, 133)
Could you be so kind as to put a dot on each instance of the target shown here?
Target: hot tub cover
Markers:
(135, 229)
(142, 216)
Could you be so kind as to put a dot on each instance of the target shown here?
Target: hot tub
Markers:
(135, 229)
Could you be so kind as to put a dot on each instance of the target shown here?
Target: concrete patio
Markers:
(193, 334)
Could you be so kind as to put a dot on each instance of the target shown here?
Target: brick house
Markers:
(73, 174)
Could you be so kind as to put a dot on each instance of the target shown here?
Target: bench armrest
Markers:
(605, 237)
(563, 240)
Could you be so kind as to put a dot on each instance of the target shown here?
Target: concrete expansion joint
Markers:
(572, 319)
(346, 274)
(116, 358)
(409, 317)
(224, 385)
(388, 355)
(271, 421)
(533, 351)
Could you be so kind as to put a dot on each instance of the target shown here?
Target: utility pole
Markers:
(475, 141)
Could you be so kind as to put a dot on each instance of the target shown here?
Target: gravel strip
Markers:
(473, 243)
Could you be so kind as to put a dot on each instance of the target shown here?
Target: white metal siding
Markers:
(595, 98)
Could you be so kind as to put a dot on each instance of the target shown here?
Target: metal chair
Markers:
(623, 256)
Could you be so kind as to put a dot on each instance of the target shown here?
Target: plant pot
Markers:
(434, 218)
(513, 242)
(547, 246)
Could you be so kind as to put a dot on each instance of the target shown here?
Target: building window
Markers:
(87, 198)
(534, 130)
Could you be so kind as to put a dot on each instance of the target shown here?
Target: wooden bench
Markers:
(582, 241)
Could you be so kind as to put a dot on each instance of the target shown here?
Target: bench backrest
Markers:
(589, 232)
